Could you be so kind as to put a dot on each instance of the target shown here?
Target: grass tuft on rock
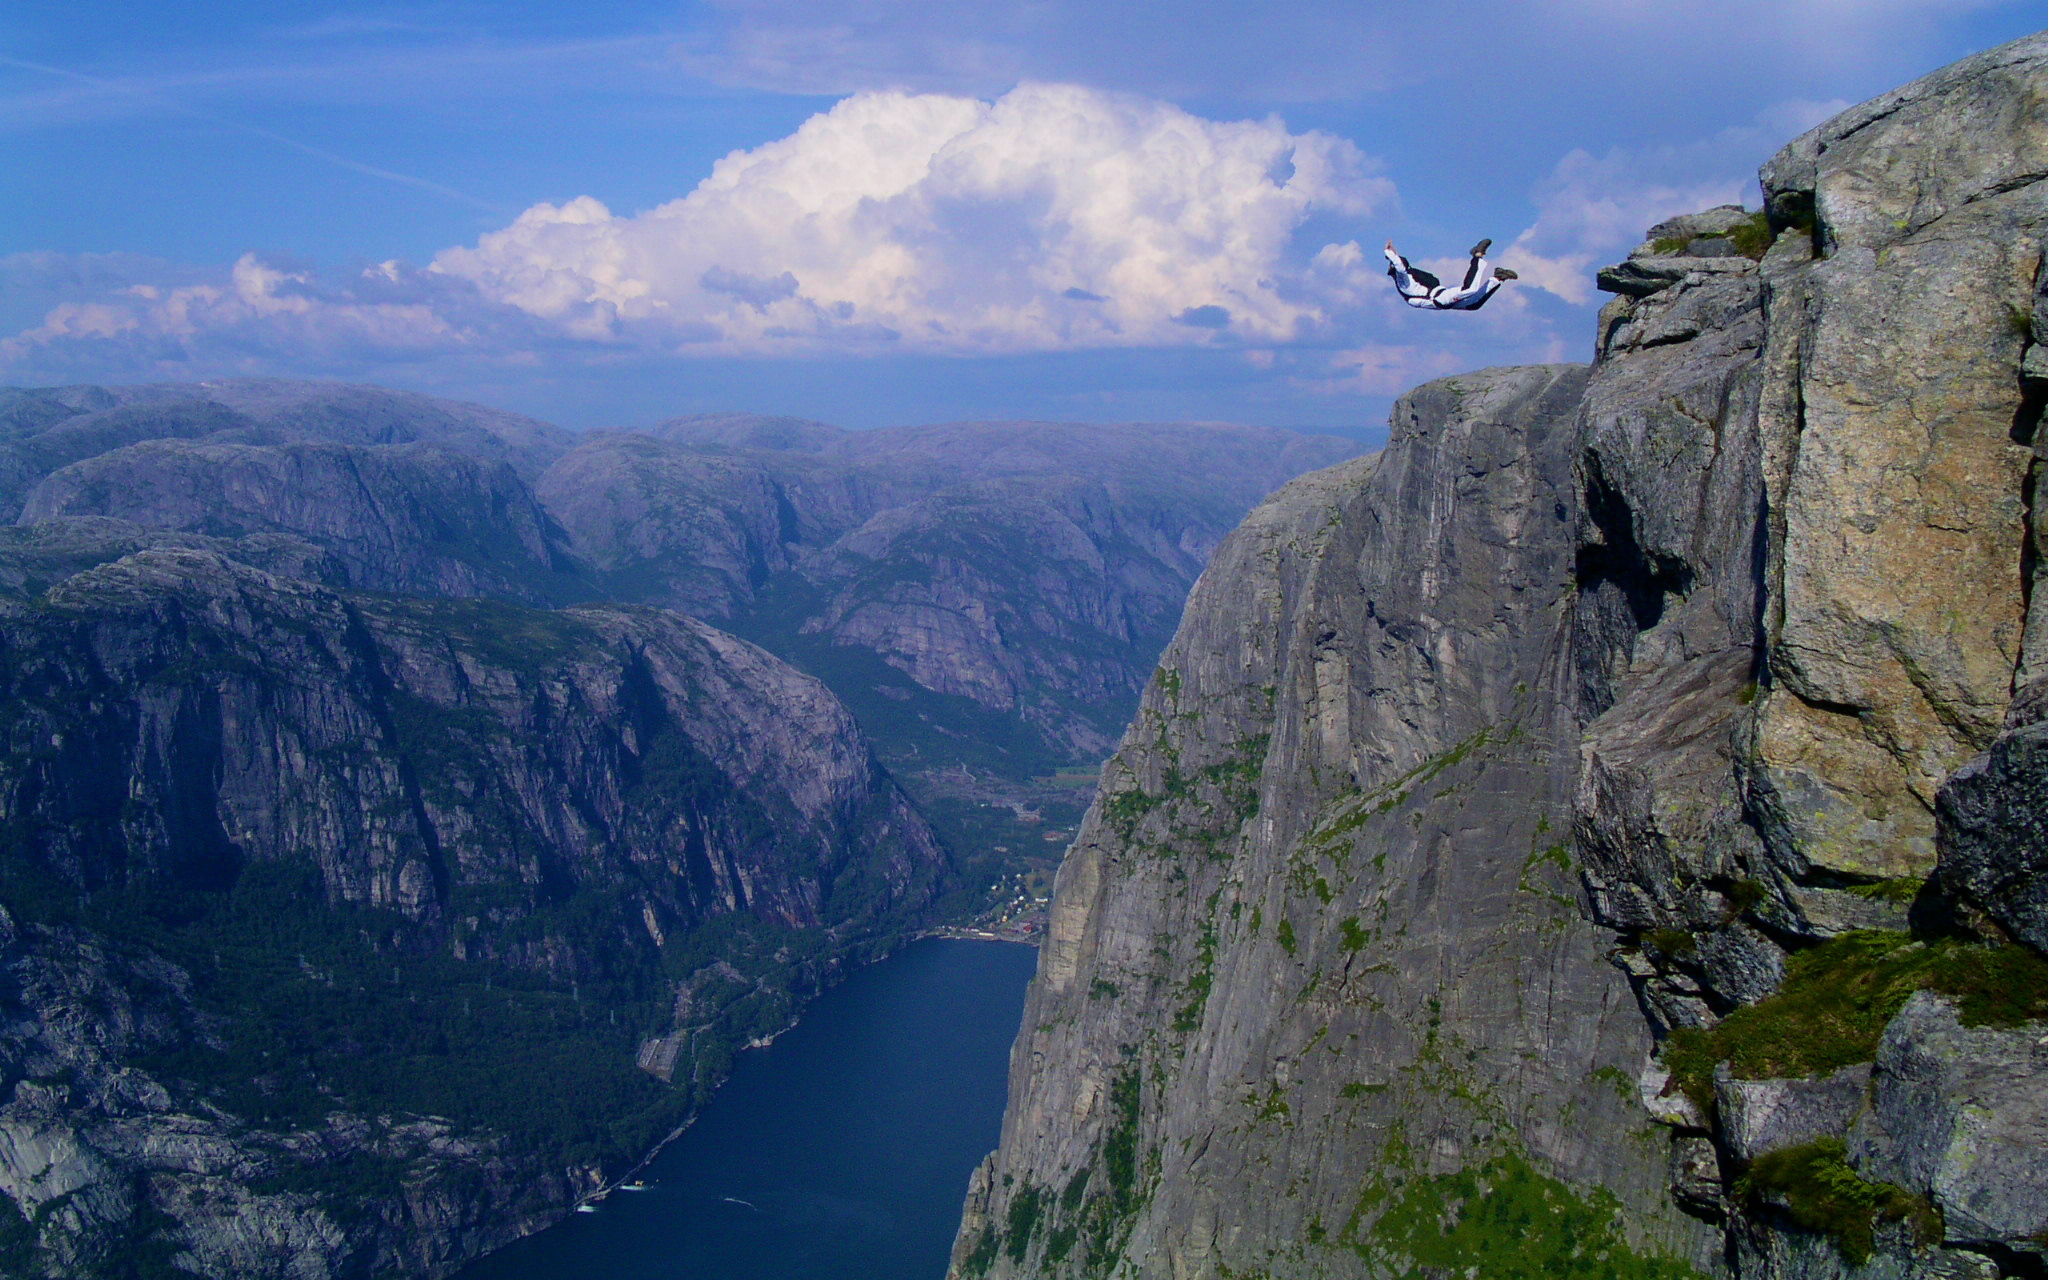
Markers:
(1814, 1184)
(1837, 997)
(1502, 1220)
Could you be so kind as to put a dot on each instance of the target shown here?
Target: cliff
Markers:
(1316, 954)
(1692, 673)
(290, 874)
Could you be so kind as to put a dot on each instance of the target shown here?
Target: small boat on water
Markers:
(586, 1208)
(634, 1186)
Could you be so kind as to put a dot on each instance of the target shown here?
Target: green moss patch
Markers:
(1837, 997)
(1752, 238)
(1814, 1184)
(1502, 1220)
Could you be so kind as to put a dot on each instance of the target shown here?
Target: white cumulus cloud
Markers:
(1053, 218)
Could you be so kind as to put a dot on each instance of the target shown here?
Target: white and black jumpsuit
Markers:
(1421, 289)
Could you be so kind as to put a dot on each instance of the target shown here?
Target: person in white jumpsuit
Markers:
(1421, 289)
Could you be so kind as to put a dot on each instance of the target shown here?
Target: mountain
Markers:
(1601, 834)
(410, 518)
(43, 428)
(346, 934)
(390, 857)
(988, 598)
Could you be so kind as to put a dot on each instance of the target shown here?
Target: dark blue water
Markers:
(840, 1152)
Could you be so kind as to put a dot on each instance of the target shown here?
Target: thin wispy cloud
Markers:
(1323, 50)
(160, 102)
(350, 73)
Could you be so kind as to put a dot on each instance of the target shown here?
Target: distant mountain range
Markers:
(989, 598)
(405, 814)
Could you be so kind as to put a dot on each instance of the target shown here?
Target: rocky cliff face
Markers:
(1809, 488)
(290, 874)
(1317, 967)
(1781, 720)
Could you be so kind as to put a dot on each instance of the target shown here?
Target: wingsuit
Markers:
(1421, 289)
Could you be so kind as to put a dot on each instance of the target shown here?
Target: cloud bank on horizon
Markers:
(986, 187)
(1054, 218)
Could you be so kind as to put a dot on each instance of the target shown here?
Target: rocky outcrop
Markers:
(1804, 587)
(1785, 729)
(1959, 1115)
(412, 519)
(1317, 959)
(291, 875)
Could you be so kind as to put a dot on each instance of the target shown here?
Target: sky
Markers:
(880, 211)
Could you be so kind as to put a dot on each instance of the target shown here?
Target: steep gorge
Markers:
(1601, 834)
(349, 934)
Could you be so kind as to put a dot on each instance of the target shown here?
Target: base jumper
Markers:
(1421, 289)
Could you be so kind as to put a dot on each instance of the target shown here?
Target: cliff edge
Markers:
(1601, 834)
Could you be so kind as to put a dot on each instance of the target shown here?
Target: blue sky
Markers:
(880, 211)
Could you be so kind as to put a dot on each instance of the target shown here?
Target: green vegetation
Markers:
(1752, 238)
(1353, 936)
(1903, 889)
(1224, 796)
(1120, 1139)
(1502, 1220)
(1357, 808)
(1753, 235)
(1199, 981)
(1098, 1224)
(1816, 1186)
(1556, 855)
(1670, 943)
(1025, 1209)
(1617, 1079)
(1743, 896)
(1168, 681)
(983, 1255)
(1837, 997)
(1271, 1106)
(317, 1006)
(1103, 989)
(1285, 935)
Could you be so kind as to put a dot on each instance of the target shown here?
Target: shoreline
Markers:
(956, 933)
(968, 933)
